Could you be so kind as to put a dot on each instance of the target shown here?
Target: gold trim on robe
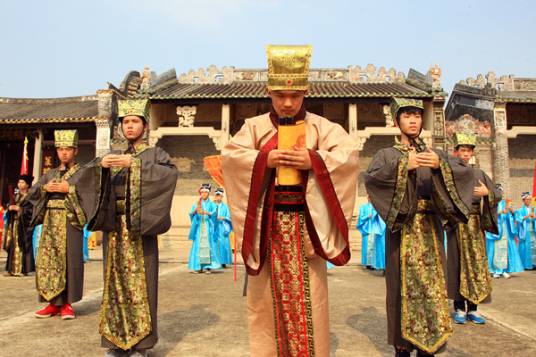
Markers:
(51, 263)
(475, 279)
(426, 321)
(125, 317)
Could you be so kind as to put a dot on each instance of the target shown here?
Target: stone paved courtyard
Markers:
(204, 315)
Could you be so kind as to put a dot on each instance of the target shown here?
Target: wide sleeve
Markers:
(194, 219)
(331, 190)
(193, 212)
(362, 219)
(453, 185)
(80, 198)
(391, 187)
(37, 197)
(492, 237)
(488, 218)
(224, 212)
(212, 209)
(95, 185)
(520, 222)
(225, 222)
(150, 189)
(246, 177)
(519, 215)
(26, 212)
(511, 224)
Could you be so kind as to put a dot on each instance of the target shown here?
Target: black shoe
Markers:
(402, 353)
(423, 354)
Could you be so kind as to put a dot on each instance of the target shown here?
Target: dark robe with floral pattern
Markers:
(416, 205)
(18, 243)
(59, 263)
(133, 207)
(467, 262)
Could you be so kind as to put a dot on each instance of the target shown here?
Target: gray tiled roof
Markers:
(57, 110)
(257, 89)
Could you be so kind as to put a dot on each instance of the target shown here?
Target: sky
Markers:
(61, 48)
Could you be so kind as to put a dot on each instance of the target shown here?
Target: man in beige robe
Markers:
(286, 233)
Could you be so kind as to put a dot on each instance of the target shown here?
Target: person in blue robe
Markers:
(364, 226)
(85, 249)
(503, 255)
(378, 230)
(4, 232)
(526, 228)
(372, 229)
(204, 255)
(38, 230)
(223, 227)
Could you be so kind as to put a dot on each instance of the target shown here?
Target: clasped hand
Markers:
(113, 160)
(480, 191)
(429, 158)
(298, 158)
(57, 186)
(202, 212)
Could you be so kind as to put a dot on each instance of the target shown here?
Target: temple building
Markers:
(36, 119)
(502, 112)
(193, 115)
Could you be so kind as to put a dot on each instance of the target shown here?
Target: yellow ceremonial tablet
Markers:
(290, 136)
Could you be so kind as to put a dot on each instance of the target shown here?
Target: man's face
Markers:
(410, 123)
(465, 153)
(204, 195)
(287, 103)
(22, 185)
(132, 126)
(66, 154)
(526, 201)
(217, 198)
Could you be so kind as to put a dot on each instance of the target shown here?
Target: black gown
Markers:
(417, 205)
(132, 208)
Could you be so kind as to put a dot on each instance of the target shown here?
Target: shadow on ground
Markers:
(173, 326)
(373, 325)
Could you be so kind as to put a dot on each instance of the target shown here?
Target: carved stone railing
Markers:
(502, 83)
(219, 137)
(361, 136)
(352, 74)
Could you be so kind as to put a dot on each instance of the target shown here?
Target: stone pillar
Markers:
(352, 130)
(484, 157)
(501, 166)
(225, 124)
(102, 140)
(105, 98)
(438, 123)
(352, 119)
(38, 155)
(104, 122)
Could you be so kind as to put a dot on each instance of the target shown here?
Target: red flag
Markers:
(24, 164)
(212, 164)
